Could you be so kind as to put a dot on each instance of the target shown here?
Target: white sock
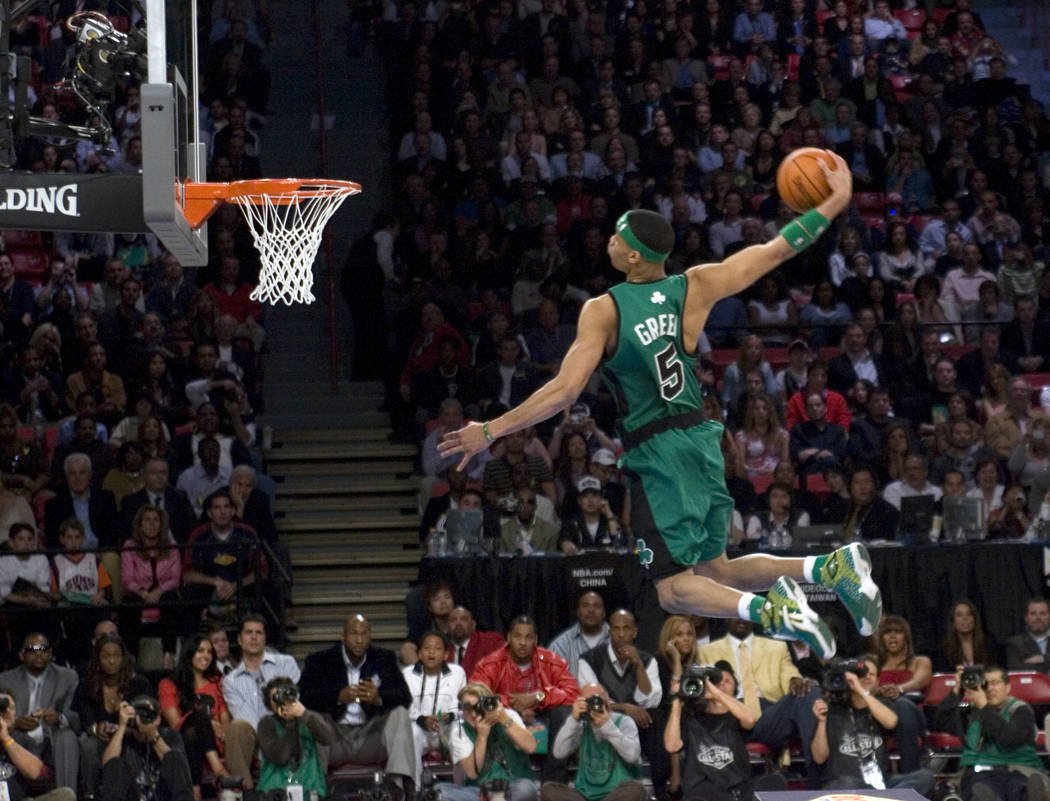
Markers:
(809, 565)
(743, 606)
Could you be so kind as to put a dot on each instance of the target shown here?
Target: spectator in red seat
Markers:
(1027, 650)
(192, 703)
(467, 645)
(815, 442)
(533, 681)
(965, 641)
(816, 381)
(232, 296)
(901, 670)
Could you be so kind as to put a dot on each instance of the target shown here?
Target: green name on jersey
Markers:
(655, 327)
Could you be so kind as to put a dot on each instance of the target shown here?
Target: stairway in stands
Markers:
(346, 506)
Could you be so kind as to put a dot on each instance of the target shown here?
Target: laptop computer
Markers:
(963, 519)
(463, 529)
(817, 537)
(917, 518)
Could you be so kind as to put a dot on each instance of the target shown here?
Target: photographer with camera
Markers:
(853, 725)
(288, 739)
(490, 744)
(999, 759)
(608, 752)
(18, 765)
(144, 761)
(708, 724)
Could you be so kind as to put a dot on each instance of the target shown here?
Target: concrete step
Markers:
(302, 649)
(389, 468)
(391, 632)
(333, 595)
(329, 435)
(328, 521)
(349, 577)
(336, 614)
(340, 451)
(345, 543)
(319, 557)
(403, 503)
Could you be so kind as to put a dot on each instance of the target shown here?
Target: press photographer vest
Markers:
(601, 770)
(853, 737)
(989, 752)
(620, 688)
(303, 768)
(715, 754)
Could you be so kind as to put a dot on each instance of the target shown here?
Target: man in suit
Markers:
(973, 367)
(158, 492)
(468, 645)
(362, 688)
(45, 723)
(94, 507)
(1028, 650)
(867, 163)
(856, 361)
(1032, 352)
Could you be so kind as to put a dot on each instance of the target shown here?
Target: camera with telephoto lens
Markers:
(693, 687)
(595, 706)
(483, 705)
(834, 684)
(973, 678)
(285, 694)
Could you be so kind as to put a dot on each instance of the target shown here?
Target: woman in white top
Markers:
(434, 685)
(901, 262)
(772, 307)
(762, 441)
(989, 487)
(841, 259)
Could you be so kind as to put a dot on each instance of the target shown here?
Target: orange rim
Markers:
(200, 199)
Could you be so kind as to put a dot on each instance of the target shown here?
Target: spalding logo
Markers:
(45, 199)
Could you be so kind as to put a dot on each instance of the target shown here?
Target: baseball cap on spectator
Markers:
(588, 484)
(604, 456)
(798, 343)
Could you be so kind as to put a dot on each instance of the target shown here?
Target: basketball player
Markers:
(646, 330)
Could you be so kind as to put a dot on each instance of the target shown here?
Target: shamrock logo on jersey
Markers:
(658, 297)
(645, 555)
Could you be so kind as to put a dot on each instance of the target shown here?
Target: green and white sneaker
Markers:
(847, 571)
(787, 616)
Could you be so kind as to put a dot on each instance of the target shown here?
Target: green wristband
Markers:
(485, 431)
(803, 231)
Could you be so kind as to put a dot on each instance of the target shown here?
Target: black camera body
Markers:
(483, 705)
(834, 684)
(693, 687)
(203, 701)
(973, 678)
(146, 710)
(285, 694)
(595, 705)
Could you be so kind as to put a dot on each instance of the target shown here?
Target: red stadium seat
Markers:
(941, 14)
(913, 34)
(29, 264)
(913, 18)
(870, 201)
(828, 352)
(1038, 380)
(1031, 687)
(874, 221)
(761, 483)
(777, 357)
(793, 62)
(23, 240)
(958, 351)
(822, 17)
(719, 66)
(758, 199)
(901, 87)
(722, 358)
(920, 221)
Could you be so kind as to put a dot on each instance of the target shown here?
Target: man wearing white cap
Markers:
(594, 525)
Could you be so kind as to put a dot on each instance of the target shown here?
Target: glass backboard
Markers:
(172, 151)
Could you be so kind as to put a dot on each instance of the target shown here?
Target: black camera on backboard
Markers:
(973, 678)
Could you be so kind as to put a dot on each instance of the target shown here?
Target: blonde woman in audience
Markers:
(762, 441)
(995, 391)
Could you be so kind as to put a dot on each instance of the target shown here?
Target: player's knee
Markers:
(670, 593)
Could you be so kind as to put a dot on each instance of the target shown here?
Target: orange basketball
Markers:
(800, 178)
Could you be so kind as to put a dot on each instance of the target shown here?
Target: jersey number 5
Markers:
(670, 371)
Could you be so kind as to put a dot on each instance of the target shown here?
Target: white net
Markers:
(287, 228)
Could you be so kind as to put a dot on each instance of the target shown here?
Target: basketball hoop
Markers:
(286, 217)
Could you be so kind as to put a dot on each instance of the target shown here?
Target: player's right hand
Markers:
(468, 440)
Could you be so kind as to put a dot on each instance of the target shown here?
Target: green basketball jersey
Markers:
(650, 375)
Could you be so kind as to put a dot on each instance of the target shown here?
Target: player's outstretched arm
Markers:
(595, 328)
(712, 282)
